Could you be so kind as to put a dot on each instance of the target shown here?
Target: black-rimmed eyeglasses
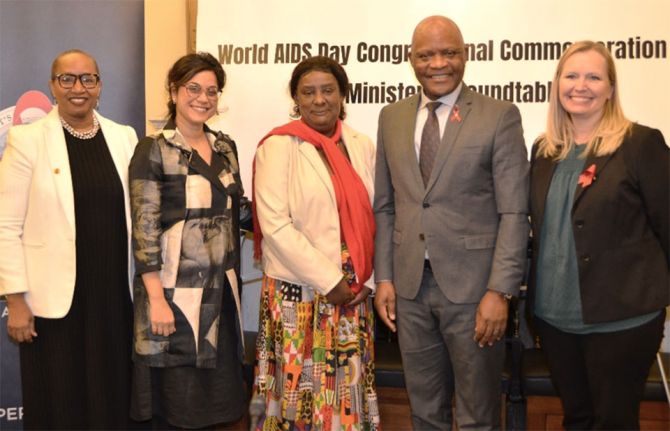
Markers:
(68, 80)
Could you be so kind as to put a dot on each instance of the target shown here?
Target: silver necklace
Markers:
(82, 135)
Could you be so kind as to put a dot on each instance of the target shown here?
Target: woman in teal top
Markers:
(599, 210)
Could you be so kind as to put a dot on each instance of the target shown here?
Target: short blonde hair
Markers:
(558, 139)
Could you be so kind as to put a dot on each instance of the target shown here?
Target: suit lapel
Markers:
(600, 163)
(198, 165)
(312, 155)
(118, 151)
(56, 149)
(451, 131)
(350, 140)
(404, 130)
(221, 175)
(542, 172)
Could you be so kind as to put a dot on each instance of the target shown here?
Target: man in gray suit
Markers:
(451, 193)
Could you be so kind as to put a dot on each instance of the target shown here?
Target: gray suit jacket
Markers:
(472, 215)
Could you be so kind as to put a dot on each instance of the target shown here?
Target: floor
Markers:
(544, 413)
(394, 408)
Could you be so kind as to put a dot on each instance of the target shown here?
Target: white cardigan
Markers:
(37, 225)
(297, 211)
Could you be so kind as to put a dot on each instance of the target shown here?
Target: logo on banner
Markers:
(31, 106)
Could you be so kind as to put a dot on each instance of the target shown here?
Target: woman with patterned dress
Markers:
(314, 231)
(185, 190)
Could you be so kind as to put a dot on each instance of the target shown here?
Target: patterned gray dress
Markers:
(185, 227)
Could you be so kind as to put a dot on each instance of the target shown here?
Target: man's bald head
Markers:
(438, 56)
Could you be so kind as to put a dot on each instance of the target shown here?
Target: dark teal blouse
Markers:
(558, 300)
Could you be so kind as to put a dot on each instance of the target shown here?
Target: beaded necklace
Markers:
(89, 134)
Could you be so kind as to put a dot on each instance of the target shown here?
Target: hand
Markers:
(385, 303)
(361, 296)
(162, 317)
(340, 294)
(491, 319)
(20, 320)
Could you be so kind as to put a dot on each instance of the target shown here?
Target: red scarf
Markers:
(357, 223)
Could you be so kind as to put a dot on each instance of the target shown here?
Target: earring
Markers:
(295, 112)
(221, 106)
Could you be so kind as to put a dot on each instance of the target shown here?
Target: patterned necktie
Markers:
(430, 141)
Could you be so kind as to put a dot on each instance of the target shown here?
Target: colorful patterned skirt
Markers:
(314, 361)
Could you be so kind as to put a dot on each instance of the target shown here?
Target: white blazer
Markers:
(297, 210)
(37, 225)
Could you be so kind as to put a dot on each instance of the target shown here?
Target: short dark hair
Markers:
(186, 68)
(54, 64)
(322, 64)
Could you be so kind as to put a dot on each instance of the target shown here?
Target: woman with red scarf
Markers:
(314, 233)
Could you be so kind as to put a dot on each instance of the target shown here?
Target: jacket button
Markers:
(426, 205)
(586, 258)
(422, 237)
(579, 224)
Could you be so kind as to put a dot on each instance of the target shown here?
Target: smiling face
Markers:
(193, 104)
(319, 101)
(75, 104)
(584, 86)
(438, 56)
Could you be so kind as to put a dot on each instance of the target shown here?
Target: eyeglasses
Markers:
(194, 90)
(68, 80)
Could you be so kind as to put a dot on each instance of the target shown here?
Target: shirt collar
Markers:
(447, 99)
(174, 136)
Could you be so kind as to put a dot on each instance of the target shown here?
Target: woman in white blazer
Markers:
(64, 266)
(315, 231)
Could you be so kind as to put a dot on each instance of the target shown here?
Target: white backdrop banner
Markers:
(514, 47)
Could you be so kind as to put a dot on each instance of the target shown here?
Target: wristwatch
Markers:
(506, 296)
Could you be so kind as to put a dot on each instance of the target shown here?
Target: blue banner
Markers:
(11, 410)
(33, 32)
